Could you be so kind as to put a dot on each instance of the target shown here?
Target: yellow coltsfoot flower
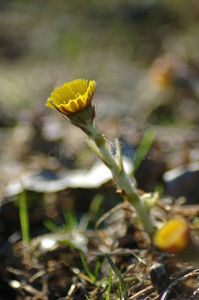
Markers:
(173, 237)
(180, 238)
(73, 100)
(72, 97)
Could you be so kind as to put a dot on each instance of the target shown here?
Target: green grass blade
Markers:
(109, 285)
(96, 203)
(91, 276)
(50, 225)
(115, 269)
(97, 267)
(24, 218)
(143, 148)
(70, 220)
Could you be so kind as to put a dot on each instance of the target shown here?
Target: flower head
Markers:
(72, 97)
(172, 237)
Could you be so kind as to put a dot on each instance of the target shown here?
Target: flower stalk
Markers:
(120, 177)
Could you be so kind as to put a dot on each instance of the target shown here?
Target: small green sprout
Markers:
(24, 218)
(117, 272)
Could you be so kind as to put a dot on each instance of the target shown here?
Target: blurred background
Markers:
(144, 57)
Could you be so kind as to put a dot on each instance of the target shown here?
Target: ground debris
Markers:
(59, 271)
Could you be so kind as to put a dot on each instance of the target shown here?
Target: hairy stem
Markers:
(121, 178)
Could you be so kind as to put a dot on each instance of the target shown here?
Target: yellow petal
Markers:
(73, 106)
(80, 103)
(64, 110)
(49, 104)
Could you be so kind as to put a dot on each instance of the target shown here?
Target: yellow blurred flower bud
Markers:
(172, 237)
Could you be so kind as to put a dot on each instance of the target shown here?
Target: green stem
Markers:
(121, 178)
